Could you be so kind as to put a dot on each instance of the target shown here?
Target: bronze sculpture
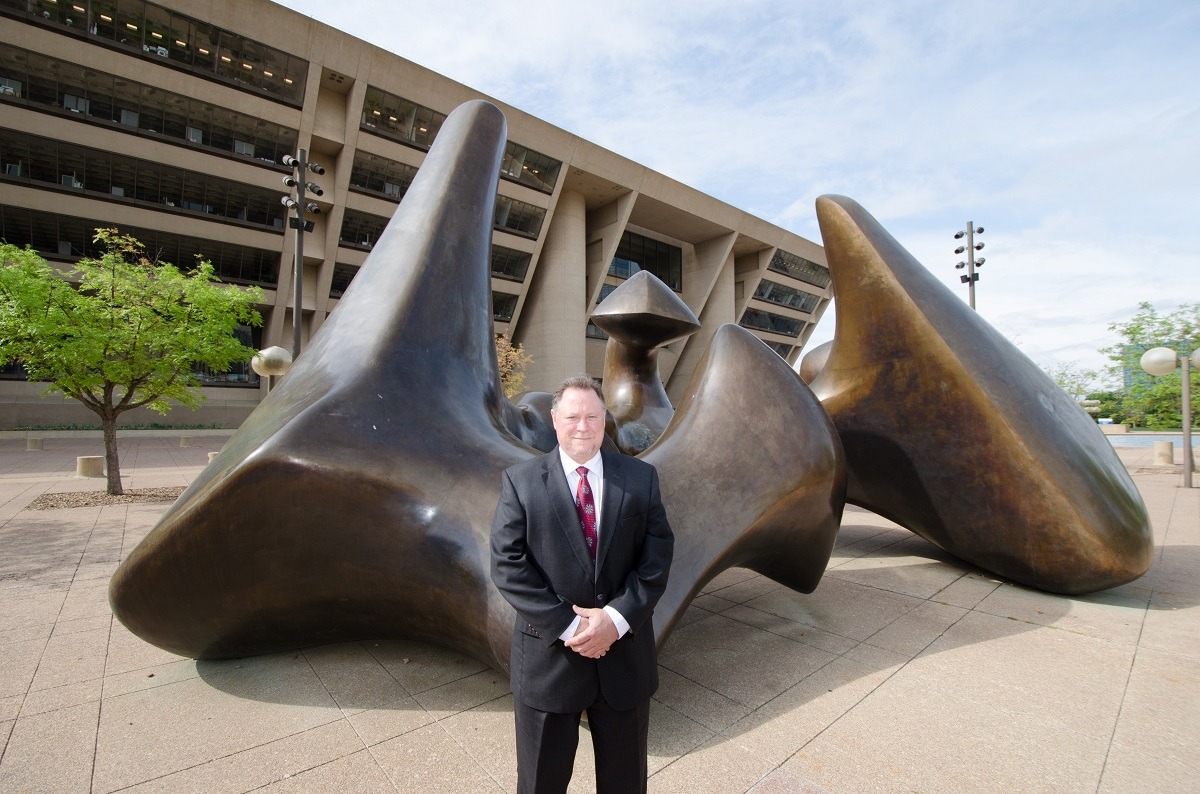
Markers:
(356, 501)
(952, 432)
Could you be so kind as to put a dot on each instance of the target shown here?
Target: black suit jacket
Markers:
(541, 565)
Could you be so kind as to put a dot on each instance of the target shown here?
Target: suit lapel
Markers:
(614, 495)
(562, 501)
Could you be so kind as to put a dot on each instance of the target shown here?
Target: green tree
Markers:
(1073, 379)
(1111, 405)
(1150, 401)
(125, 335)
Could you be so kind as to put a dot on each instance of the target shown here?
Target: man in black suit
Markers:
(582, 556)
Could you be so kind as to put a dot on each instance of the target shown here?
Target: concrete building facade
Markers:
(171, 122)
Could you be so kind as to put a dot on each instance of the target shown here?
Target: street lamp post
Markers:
(972, 261)
(299, 164)
(1162, 361)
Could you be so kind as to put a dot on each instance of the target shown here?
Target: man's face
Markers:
(579, 423)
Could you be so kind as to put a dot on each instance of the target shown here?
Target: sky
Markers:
(1067, 129)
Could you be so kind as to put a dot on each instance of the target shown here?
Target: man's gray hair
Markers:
(580, 381)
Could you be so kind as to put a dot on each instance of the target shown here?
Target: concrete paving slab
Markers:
(428, 759)
(262, 765)
(847, 609)
(739, 662)
(51, 752)
(352, 774)
(906, 670)
(1153, 748)
(353, 677)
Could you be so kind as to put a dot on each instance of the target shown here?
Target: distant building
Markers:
(171, 123)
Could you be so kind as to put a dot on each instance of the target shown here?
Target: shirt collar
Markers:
(595, 465)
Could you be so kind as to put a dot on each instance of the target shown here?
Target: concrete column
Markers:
(554, 320)
(89, 466)
(1164, 453)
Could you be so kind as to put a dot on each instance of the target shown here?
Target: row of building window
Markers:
(774, 323)
(636, 252)
(800, 268)
(506, 264)
(50, 83)
(158, 33)
(400, 119)
(65, 237)
(362, 229)
(784, 295)
(49, 161)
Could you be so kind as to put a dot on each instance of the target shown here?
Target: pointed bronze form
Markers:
(356, 502)
(952, 432)
(752, 474)
(640, 316)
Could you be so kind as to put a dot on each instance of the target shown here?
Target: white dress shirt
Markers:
(595, 468)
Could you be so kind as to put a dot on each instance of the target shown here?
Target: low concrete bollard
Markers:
(212, 456)
(33, 444)
(185, 441)
(89, 466)
(1164, 453)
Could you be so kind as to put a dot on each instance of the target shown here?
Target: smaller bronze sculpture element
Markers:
(952, 432)
(640, 317)
(814, 361)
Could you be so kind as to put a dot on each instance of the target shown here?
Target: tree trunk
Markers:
(111, 463)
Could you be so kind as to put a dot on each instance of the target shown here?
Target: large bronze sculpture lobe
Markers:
(752, 474)
(952, 432)
(355, 502)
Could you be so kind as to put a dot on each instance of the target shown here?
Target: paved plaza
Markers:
(906, 670)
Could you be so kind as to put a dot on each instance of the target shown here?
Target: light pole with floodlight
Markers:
(299, 164)
(972, 261)
(1162, 361)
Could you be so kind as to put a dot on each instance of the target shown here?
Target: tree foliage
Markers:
(512, 360)
(126, 334)
(1155, 402)
(1075, 380)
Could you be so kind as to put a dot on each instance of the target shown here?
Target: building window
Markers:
(401, 120)
(537, 170)
(61, 237)
(343, 274)
(503, 306)
(361, 229)
(518, 217)
(782, 349)
(800, 268)
(775, 323)
(786, 296)
(381, 176)
(103, 98)
(636, 252)
(593, 330)
(509, 264)
(239, 373)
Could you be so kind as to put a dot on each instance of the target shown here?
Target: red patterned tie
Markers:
(587, 510)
